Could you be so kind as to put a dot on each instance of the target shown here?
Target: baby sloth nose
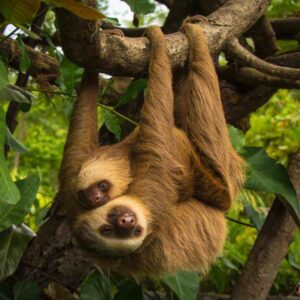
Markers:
(126, 221)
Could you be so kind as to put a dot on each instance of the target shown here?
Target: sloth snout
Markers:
(126, 221)
(123, 220)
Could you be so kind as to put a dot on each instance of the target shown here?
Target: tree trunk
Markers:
(270, 247)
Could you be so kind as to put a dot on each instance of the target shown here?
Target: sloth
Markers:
(155, 201)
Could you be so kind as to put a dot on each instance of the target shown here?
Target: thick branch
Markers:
(250, 76)
(236, 49)
(40, 63)
(238, 105)
(264, 38)
(286, 28)
(129, 56)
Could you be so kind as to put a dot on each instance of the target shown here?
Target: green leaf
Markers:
(237, 138)
(96, 286)
(27, 290)
(71, 74)
(113, 21)
(15, 213)
(24, 58)
(266, 175)
(10, 93)
(19, 11)
(30, 33)
(134, 88)
(13, 242)
(292, 261)
(8, 190)
(184, 284)
(112, 122)
(143, 7)
(13, 143)
(79, 9)
(256, 218)
(3, 75)
(229, 264)
(218, 276)
(129, 290)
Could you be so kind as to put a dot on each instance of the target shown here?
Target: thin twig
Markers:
(9, 35)
(101, 105)
(118, 114)
(239, 222)
(50, 92)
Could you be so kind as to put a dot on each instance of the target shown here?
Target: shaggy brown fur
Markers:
(179, 180)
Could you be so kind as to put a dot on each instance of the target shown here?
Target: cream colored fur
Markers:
(102, 167)
(98, 217)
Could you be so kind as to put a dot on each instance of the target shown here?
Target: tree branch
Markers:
(252, 77)
(286, 28)
(238, 105)
(264, 38)
(40, 63)
(122, 56)
(236, 49)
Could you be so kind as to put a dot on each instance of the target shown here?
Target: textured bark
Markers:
(54, 256)
(123, 56)
(264, 38)
(270, 248)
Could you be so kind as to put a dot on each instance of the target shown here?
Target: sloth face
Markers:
(114, 229)
(101, 179)
(96, 194)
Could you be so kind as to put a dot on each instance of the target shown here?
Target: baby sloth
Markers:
(155, 202)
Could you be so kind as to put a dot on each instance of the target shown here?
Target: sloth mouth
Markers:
(110, 231)
(89, 240)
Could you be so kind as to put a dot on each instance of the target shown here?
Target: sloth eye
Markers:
(104, 185)
(106, 230)
(138, 231)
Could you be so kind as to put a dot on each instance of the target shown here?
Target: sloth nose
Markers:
(126, 221)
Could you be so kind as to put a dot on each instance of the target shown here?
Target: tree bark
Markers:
(270, 248)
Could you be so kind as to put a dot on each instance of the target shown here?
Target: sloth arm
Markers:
(218, 171)
(82, 136)
(153, 164)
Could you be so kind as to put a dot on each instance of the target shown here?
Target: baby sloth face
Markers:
(114, 229)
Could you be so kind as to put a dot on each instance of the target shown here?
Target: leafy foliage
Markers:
(96, 286)
(13, 242)
(143, 7)
(15, 213)
(184, 284)
(19, 11)
(268, 176)
(8, 190)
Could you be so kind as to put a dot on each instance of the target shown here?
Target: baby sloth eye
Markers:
(104, 185)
